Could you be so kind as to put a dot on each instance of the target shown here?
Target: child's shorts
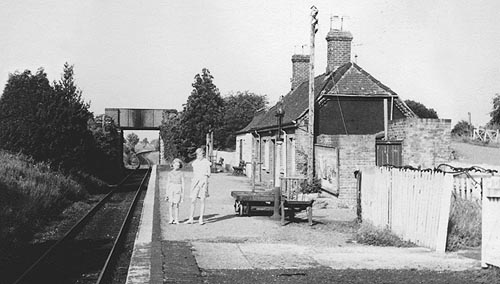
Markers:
(174, 193)
(199, 191)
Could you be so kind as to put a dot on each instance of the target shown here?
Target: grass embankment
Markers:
(31, 194)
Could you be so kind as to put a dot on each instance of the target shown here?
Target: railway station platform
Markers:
(187, 253)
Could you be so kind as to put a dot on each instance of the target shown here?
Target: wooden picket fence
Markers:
(415, 205)
(470, 186)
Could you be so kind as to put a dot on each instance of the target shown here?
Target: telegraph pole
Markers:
(310, 156)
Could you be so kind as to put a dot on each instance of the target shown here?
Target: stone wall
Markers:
(426, 142)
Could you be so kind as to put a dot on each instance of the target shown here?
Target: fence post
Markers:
(276, 208)
(444, 213)
(358, 187)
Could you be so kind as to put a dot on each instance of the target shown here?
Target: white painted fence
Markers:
(470, 186)
(490, 241)
(415, 205)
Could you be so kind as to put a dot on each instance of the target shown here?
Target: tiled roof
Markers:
(349, 79)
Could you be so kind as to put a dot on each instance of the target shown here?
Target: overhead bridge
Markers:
(139, 119)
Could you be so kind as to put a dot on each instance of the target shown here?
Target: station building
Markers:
(358, 122)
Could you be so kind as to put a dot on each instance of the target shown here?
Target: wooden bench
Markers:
(244, 200)
(290, 203)
(240, 169)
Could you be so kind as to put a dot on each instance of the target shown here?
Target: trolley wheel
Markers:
(246, 209)
(238, 208)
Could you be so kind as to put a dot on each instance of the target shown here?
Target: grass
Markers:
(371, 235)
(469, 140)
(464, 229)
(464, 226)
(30, 195)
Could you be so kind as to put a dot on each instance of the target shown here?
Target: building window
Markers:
(241, 149)
(293, 166)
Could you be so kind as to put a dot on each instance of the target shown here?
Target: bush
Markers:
(30, 195)
(464, 225)
(371, 235)
(462, 129)
(106, 154)
(313, 187)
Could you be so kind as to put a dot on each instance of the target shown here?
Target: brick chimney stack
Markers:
(300, 69)
(339, 49)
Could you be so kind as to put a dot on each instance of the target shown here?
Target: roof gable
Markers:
(349, 79)
(356, 81)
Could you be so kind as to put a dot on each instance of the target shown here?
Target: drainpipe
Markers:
(285, 150)
(392, 108)
(386, 123)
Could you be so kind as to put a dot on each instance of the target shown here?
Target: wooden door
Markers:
(389, 153)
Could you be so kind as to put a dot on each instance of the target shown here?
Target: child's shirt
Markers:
(175, 177)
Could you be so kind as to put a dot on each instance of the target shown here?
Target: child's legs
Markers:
(191, 211)
(175, 214)
(171, 211)
(202, 209)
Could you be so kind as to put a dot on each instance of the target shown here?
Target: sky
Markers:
(145, 54)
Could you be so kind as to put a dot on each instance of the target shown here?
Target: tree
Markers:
(46, 122)
(239, 111)
(420, 110)
(68, 116)
(132, 140)
(145, 141)
(495, 113)
(20, 112)
(156, 144)
(170, 132)
(203, 112)
(106, 152)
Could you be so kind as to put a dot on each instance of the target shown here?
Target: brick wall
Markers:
(355, 152)
(426, 142)
(338, 49)
(300, 69)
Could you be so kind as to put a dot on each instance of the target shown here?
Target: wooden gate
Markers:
(389, 153)
(490, 247)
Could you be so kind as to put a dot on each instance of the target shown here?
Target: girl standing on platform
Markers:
(175, 190)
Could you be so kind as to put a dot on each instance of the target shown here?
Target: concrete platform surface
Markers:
(228, 241)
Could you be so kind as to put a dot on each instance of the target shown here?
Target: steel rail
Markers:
(107, 265)
(74, 230)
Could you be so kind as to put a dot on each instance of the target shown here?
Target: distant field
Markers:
(469, 154)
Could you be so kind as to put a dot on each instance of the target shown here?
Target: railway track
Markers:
(87, 252)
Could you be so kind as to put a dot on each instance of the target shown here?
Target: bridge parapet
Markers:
(143, 119)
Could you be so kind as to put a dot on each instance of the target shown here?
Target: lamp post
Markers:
(280, 112)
